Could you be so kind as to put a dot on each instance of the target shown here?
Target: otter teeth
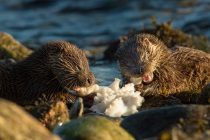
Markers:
(136, 81)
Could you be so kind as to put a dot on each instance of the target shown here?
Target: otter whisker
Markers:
(71, 83)
(70, 78)
(51, 80)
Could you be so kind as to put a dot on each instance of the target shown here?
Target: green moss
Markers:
(10, 48)
(92, 128)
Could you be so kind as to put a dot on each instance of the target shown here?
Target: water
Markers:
(96, 23)
(105, 73)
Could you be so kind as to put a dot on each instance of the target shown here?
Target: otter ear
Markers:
(149, 44)
(146, 41)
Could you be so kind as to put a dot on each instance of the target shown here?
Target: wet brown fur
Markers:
(175, 70)
(50, 72)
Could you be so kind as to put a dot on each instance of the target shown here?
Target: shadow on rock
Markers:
(183, 121)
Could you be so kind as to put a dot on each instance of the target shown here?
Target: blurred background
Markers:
(94, 24)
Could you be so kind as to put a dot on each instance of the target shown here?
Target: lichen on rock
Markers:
(11, 48)
(50, 114)
(17, 124)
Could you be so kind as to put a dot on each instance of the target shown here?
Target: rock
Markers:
(16, 124)
(204, 97)
(116, 120)
(10, 48)
(89, 99)
(8, 61)
(159, 101)
(176, 133)
(92, 128)
(170, 122)
(50, 114)
(77, 109)
(188, 97)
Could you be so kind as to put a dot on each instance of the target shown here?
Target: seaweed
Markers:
(167, 34)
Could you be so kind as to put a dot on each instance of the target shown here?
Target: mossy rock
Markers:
(92, 128)
(204, 97)
(159, 101)
(11, 48)
(172, 122)
(50, 114)
(173, 37)
(17, 124)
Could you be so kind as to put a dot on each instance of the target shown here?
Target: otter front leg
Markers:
(147, 92)
(153, 88)
(139, 87)
(128, 79)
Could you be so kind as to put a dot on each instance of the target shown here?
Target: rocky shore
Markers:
(165, 118)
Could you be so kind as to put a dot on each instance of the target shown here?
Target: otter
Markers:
(144, 60)
(51, 72)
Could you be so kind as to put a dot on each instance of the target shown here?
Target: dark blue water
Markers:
(93, 24)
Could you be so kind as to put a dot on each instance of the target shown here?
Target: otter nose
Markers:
(86, 80)
(89, 81)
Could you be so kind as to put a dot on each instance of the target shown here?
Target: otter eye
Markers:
(88, 80)
(78, 67)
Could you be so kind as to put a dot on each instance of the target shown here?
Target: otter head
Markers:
(69, 65)
(139, 56)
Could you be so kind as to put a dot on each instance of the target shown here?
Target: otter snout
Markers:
(86, 80)
(138, 71)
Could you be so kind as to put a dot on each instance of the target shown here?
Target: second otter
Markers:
(143, 59)
(52, 71)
